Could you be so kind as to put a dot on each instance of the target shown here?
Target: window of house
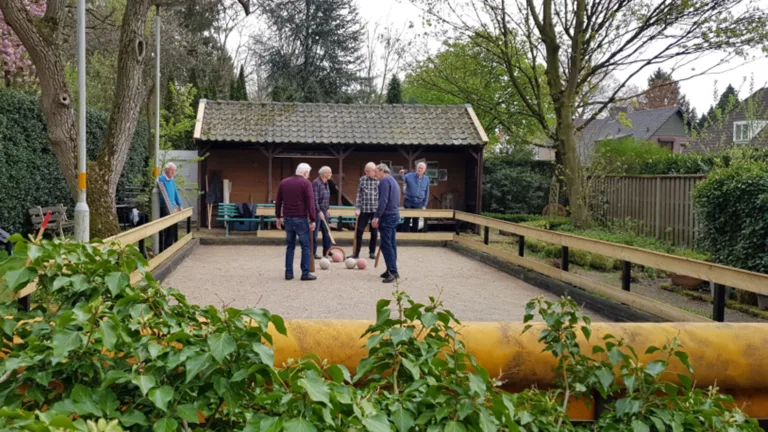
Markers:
(744, 131)
(669, 145)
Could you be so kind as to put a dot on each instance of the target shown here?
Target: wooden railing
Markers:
(350, 212)
(720, 275)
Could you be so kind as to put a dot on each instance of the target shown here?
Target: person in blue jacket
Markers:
(416, 194)
(169, 196)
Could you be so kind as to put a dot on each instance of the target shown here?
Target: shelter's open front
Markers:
(256, 145)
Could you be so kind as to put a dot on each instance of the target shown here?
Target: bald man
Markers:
(365, 207)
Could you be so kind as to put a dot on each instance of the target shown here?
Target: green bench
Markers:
(268, 220)
(228, 212)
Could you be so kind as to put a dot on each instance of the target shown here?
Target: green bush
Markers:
(732, 208)
(534, 245)
(514, 186)
(538, 221)
(29, 171)
(552, 251)
(112, 355)
(601, 262)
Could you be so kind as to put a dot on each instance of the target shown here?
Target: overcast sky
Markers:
(700, 90)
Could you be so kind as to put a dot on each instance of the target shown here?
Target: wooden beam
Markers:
(350, 212)
(728, 276)
(146, 230)
(633, 300)
(350, 235)
(162, 257)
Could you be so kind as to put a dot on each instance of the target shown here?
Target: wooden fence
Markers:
(657, 206)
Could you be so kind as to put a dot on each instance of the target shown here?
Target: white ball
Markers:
(350, 263)
(325, 263)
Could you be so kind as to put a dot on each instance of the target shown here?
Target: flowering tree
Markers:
(16, 65)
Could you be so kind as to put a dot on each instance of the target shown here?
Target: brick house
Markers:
(742, 126)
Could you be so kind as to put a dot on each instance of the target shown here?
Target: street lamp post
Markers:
(155, 191)
(82, 213)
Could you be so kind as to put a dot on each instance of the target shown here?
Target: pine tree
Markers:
(241, 87)
(394, 92)
(168, 98)
(727, 102)
(233, 90)
(198, 91)
(663, 91)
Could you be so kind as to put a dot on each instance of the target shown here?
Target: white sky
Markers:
(700, 90)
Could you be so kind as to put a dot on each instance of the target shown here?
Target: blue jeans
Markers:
(319, 225)
(296, 227)
(387, 229)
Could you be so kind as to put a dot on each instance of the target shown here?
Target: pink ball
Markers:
(362, 263)
(337, 257)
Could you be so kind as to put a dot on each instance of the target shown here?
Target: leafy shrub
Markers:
(534, 245)
(29, 171)
(537, 221)
(552, 251)
(112, 355)
(514, 186)
(601, 262)
(732, 207)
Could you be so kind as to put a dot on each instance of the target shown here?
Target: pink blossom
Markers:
(14, 60)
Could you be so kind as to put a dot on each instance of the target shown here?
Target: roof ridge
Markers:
(226, 101)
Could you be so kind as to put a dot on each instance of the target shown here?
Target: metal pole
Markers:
(155, 191)
(82, 213)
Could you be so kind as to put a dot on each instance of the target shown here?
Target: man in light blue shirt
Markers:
(170, 203)
(416, 194)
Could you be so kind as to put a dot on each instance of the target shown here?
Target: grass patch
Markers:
(730, 304)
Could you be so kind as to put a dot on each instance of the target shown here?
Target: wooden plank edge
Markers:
(633, 300)
(141, 232)
(349, 235)
(431, 214)
(162, 257)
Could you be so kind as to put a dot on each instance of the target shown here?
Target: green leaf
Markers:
(400, 334)
(316, 388)
(279, 324)
(402, 419)
(629, 382)
(476, 384)
(299, 425)
(587, 332)
(412, 367)
(343, 394)
(377, 423)
(651, 349)
(60, 282)
(165, 424)
(660, 425)
(58, 421)
(615, 355)
(18, 279)
(65, 341)
(453, 426)
(486, 423)
(188, 413)
(683, 356)
(221, 346)
(79, 283)
(340, 373)
(685, 380)
(116, 281)
(605, 377)
(373, 341)
(82, 400)
(265, 353)
(108, 334)
(161, 396)
(638, 426)
(656, 367)
(145, 383)
(196, 364)
(133, 417)
(627, 407)
(428, 319)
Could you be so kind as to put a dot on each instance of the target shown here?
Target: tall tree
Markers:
(663, 91)
(728, 100)
(43, 38)
(394, 92)
(581, 42)
(312, 49)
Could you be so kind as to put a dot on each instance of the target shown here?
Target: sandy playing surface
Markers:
(246, 276)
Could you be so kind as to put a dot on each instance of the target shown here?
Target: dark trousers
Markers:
(320, 226)
(296, 227)
(362, 221)
(169, 235)
(388, 228)
(411, 224)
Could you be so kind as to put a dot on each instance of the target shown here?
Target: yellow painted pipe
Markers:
(734, 356)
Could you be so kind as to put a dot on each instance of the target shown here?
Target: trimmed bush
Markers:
(29, 171)
(511, 185)
(534, 245)
(600, 262)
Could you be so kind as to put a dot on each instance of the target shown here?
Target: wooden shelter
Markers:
(256, 145)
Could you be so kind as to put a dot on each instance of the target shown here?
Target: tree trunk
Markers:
(101, 200)
(566, 143)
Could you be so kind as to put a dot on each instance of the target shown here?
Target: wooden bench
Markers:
(58, 222)
(266, 221)
(228, 212)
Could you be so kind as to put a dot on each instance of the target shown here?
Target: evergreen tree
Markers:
(312, 50)
(241, 87)
(728, 100)
(233, 90)
(663, 91)
(394, 92)
(168, 98)
(193, 82)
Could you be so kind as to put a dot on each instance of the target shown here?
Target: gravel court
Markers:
(247, 276)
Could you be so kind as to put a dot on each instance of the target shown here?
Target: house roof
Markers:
(273, 122)
(716, 136)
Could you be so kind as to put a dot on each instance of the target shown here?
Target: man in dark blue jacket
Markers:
(386, 219)
(416, 194)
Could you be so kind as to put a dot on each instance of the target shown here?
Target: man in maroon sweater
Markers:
(295, 208)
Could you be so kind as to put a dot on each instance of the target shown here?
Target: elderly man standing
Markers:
(170, 203)
(295, 208)
(365, 206)
(322, 204)
(416, 194)
(386, 218)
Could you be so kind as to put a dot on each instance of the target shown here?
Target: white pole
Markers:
(155, 191)
(82, 213)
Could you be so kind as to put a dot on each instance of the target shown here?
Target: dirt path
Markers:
(243, 276)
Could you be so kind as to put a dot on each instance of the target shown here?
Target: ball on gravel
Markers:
(337, 257)
(362, 263)
(350, 263)
(325, 263)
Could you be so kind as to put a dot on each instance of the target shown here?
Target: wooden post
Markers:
(658, 207)
(718, 303)
(564, 261)
(521, 245)
(486, 235)
(480, 170)
(626, 276)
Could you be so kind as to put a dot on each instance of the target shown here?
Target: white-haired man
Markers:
(365, 207)
(170, 203)
(322, 208)
(416, 194)
(295, 208)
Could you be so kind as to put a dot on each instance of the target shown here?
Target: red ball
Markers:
(362, 263)
(337, 257)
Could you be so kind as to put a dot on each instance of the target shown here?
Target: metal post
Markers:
(82, 212)
(458, 227)
(718, 303)
(626, 276)
(521, 245)
(564, 261)
(485, 235)
(24, 304)
(189, 224)
(155, 191)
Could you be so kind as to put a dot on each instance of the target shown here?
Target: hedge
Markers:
(732, 207)
(29, 171)
(511, 185)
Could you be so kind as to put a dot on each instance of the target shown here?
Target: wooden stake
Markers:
(328, 230)
(378, 254)
(311, 251)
